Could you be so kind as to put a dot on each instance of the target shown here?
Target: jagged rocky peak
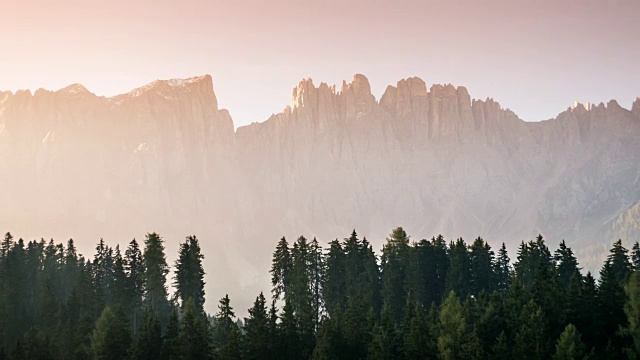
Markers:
(201, 85)
(580, 107)
(73, 89)
(302, 93)
(359, 86)
(635, 108)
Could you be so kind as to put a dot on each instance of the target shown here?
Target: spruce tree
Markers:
(226, 331)
(531, 340)
(481, 259)
(635, 256)
(502, 269)
(632, 310)
(134, 269)
(111, 337)
(281, 269)
(189, 275)
(258, 335)
(148, 344)
(155, 277)
(171, 347)
(334, 288)
(194, 335)
(611, 296)
(567, 264)
(456, 339)
(569, 345)
(395, 256)
(288, 335)
(419, 340)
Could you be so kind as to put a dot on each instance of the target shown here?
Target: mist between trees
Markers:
(427, 299)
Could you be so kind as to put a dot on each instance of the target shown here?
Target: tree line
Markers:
(427, 299)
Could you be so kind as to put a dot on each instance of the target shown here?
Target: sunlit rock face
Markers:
(165, 158)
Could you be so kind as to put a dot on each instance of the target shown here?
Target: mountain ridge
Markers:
(165, 157)
(413, 84)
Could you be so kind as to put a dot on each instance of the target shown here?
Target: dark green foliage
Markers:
(227, 334)
(338, 303)
(281, 269)
(194, 336)
(335, 286)
(111, 338)
(134, 288)
(189, 278)
(155, 277)
(148, 343)
(502, 269)
(570, 345)
(610, 295)
(258, 332)
(456, 338)
(395, 260)
(567, 263)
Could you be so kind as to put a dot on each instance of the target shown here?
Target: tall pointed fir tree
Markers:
(134, 269)
(148, 343)
(155, 277)
(281, 268)
(189, 273)
(611, 296)
(503, 269)
(395, 256)
(194, 336)
(111, 337)
(226, 332)
(258, 333)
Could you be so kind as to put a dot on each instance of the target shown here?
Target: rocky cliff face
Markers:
(164, 158)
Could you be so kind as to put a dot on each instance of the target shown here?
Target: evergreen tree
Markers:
(569, 345)
(459, 275)
(567, 263)
(155, 277)
(500, 350)
(148, 344)
(395, 254)
(481, 259)
(502, 269)
(456, 340)
(385, 344)
(194, 339)
(632, 310)
(134, 268)
(316, 276)
(289, 338)
(334, 288)
(226, 331)
(611, 297)
(635, 256)
(37, 347)
(171, 347)
(531, 341)
(258, 334)
(357, 327)
(281, 268)
(111, 337)
(189, 278)
(419, 340)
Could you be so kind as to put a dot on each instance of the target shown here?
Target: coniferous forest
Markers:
(427, 299)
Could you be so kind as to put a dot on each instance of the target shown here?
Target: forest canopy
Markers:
(427, 299)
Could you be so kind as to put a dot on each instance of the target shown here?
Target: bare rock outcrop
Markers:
(164, 157)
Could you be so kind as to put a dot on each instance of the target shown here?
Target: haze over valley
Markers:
(166, 158)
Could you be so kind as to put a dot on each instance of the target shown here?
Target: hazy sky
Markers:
(535, 57)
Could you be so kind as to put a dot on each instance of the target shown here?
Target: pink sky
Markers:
(535, 57)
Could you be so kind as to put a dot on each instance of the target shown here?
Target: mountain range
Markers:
(164, 157)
